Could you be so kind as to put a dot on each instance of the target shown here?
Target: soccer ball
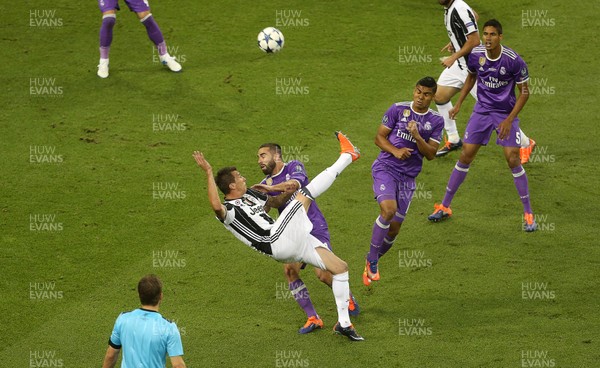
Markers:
(270, 40)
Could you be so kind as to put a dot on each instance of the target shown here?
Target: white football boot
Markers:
(170, 62)
(103, 68)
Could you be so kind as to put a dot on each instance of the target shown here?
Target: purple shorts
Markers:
(388, 184)
(137, 6)
(480, 126)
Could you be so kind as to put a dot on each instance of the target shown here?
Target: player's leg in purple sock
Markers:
(522, 184)
(106, 34)
(387, 245)
(300, 293)
(154, 33)
(456, 178)
(380, 229)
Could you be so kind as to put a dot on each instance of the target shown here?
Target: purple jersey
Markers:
(496, 79)
(430, 125)
(294, 170)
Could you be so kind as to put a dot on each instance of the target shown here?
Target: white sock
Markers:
(341, 292)
(449, 124)
(524, 139)
(323, 181)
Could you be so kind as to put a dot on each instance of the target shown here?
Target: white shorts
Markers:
(456, 77)
(292, 241)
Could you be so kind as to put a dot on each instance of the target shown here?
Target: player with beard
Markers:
(291, 175)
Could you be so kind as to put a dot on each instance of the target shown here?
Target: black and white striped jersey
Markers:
(247, 220)
(460, 21)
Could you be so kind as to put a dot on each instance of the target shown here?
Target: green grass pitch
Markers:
(99, 186)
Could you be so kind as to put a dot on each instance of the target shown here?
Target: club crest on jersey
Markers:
(269, 181)
(247, 201)
(482, 60)
(406, 114)
(502, 71)
(427, 126)
(382, 187)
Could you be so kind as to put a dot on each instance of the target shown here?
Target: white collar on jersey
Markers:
(499, 56)
(280, 171)
(418, 113)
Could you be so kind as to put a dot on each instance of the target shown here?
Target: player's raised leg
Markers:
(322, 182)
(155, 35)
(332, 263)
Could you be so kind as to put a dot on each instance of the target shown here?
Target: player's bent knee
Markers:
(388, 214)
(144, 14)
(323, 276)
(291, 272)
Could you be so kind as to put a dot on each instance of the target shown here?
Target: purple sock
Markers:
(155, 34)
(380, 229)
(106, 34)
(520, 178)
(300, 293)
(387, 244)
(456, 178)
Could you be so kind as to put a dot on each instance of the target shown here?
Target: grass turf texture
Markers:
(63, 288)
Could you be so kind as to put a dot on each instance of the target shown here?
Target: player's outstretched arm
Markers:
(213, 194)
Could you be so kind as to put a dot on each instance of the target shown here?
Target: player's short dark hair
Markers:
(493, 23)
(428, 82)
(273, 147)
(224, 178)
(149, 290)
